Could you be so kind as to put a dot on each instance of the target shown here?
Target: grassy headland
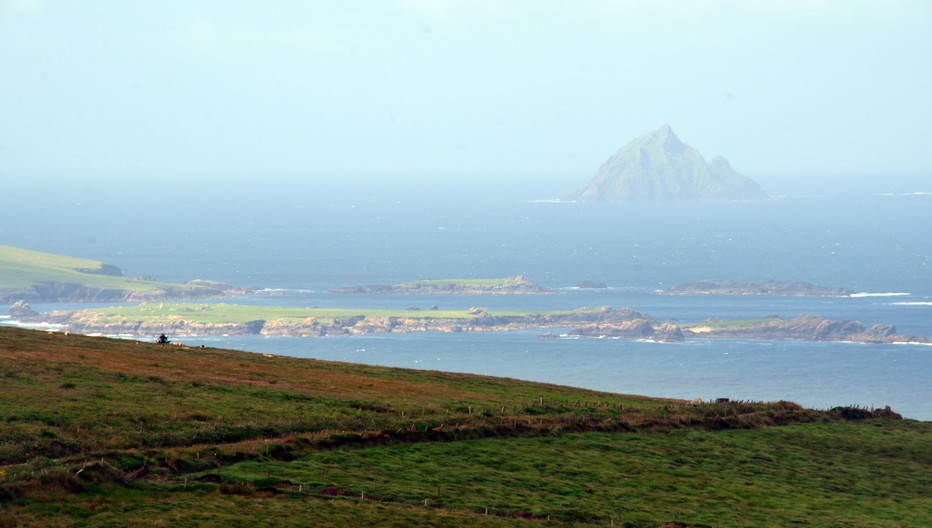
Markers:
(37, 276)
(100, 432)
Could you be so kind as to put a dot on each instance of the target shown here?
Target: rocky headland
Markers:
(801, 289)
(21, 309)
(637, 328)
(58, 291)
(34, 276)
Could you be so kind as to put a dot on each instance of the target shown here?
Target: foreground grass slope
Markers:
(98, 432)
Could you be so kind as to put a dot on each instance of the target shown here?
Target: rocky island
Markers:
(658, 167)
(517, 285)
(799, 289)
(802, 327)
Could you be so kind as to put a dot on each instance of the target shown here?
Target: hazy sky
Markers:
(460, 88)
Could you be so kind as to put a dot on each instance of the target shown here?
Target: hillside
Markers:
(101, 432)
(34, 276)
(658, 167)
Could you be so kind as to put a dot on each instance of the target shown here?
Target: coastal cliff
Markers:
(54, 291)
(34, 276)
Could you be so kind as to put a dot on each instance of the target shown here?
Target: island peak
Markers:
(659, 167)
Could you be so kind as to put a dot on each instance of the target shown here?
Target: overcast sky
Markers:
(456, 88)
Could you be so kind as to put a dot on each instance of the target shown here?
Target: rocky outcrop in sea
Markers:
(798, 289)
(803, 327)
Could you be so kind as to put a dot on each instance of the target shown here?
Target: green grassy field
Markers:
(21, 269)
(101, 432)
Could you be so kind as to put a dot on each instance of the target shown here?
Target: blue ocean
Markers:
(297, 240)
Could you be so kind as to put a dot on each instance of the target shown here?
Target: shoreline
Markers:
(193, 320)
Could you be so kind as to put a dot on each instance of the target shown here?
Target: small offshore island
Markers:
(517, 285)
(771, 287)
(801, 327)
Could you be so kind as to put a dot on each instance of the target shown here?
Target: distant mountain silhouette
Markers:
(658, 167)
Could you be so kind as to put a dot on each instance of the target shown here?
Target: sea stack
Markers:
(658, 167)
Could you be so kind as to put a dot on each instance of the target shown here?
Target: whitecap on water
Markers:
(35, 326)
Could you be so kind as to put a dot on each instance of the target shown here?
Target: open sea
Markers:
(299, 240)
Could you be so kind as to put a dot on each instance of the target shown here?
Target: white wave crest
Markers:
(912, 303)
(886, 294)
(35, 326)
(273, 292)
